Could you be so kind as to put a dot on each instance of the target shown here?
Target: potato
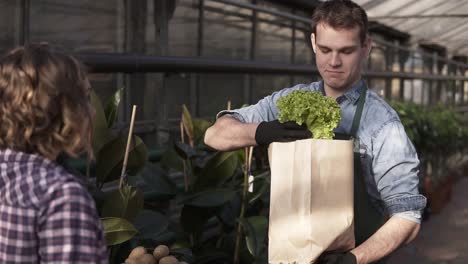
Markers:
(168, 260)
(131, 261)
(146, 259)
(160, 252)
(137, 252)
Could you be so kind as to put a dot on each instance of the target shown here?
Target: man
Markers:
(47, 215)
(386, 159)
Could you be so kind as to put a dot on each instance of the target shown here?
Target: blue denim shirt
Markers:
(388, 158)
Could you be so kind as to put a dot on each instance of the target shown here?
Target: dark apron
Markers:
(367, 220)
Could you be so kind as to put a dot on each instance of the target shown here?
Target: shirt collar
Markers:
(10, 155)
(352, 94)
(321, 88)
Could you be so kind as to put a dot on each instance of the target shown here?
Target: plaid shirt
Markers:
(46, 215)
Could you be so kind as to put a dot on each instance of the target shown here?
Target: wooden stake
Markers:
(248, 161)
(182, 132)
(123, 177)
(249, 166)
(184, 164)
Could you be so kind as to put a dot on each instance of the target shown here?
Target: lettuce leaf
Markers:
(321, 114)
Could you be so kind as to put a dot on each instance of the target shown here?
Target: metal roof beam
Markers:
(421, 16)
(130, 63)
(303, 4)
(264, 10)
(455, 30)
(436, 5)
(426, 21)
(372, 4)
(418, 3)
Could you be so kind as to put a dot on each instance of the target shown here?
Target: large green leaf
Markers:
(209, 198)
(183, 253)
(137, 157)
(98, 195)
(112, 107)
(151, 224)
(171, 160)
(261, 186)
(110, 158)
(157, 180)
(117, 230)
(263, 176)
(255, 228)
(218, 169)
(184, 150)
(187, 121)
(241, 153)
(101, 133)
(199, 128)
(124, 203)
(230, 211)
(193, 219)
(213, 258)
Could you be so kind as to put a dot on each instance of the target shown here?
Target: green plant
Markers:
(437, 132)
(212, 201)
(208, 204)
(109, 149)
(121, 207)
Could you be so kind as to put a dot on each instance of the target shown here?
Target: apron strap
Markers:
(367, 220)
(356, 118)
(358, 113)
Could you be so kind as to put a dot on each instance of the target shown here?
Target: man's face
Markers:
(339, 55)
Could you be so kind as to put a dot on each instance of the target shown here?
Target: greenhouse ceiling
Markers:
(440, 22)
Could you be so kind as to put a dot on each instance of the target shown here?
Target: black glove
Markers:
(274, 131)
(337, 258)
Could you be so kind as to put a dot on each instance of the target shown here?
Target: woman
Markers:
(46, 213)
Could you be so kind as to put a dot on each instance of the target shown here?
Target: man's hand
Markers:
(337, 258)
(397, 231)
(274, 131)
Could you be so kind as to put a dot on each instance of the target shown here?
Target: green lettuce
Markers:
(321, 114)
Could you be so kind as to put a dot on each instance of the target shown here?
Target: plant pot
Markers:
(438, 195)
(465, 168)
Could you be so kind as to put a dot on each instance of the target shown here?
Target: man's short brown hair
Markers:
(44, 102)
(341, 14)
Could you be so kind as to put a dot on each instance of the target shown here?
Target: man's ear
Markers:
(312, 40)
(368, 46)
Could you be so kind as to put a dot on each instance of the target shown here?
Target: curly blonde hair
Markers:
(44, 102)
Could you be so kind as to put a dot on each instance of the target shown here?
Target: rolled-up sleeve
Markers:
(413, 216)
(264, 110)
(396, 168)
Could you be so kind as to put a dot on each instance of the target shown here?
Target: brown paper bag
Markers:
(311, 204)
